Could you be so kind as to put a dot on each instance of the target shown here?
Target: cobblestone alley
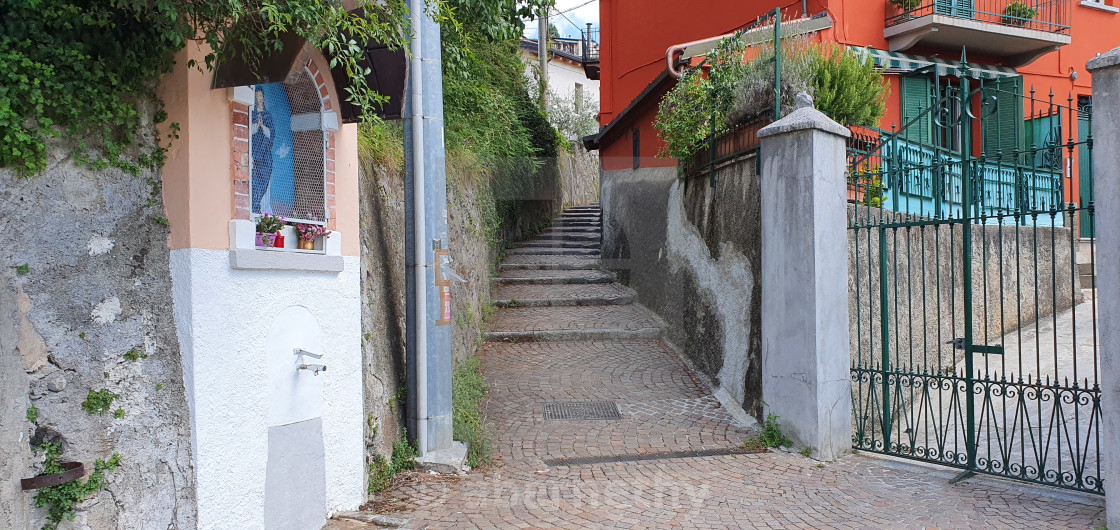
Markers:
(569, 343)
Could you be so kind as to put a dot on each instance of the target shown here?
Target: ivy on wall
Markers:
(85, 72)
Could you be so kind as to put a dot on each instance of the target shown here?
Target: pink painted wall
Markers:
(198, 191)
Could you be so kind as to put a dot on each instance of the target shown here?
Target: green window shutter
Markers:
(915, 99)
(1003, 131)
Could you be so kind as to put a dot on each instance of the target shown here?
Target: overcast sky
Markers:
(574, 23)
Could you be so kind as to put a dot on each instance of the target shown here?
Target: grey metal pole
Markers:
(428, 342)
(542, 55)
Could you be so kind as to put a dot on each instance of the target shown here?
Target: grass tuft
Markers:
(468, 389)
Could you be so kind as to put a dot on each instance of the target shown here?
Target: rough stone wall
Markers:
(97, 284)
(579, 176)
(692, 253)
(383, 284)
(1012, 267)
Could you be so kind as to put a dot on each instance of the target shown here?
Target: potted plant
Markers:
(268, 230)
(308, 233)
(1018, 13)
(906, 6)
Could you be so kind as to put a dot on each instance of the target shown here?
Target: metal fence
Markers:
(1051, 16)
(974, 340)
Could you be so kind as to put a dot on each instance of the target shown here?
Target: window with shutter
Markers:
(915, 99)
(1003, 131)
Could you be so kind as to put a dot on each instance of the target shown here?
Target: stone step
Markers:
(531, 262)
(561, 295)
(579, 236)
(572, 335)
(573, 230)
(539, 251)
(559, 243)
(582, 212)
(1088, 281)
(578, 217)
(574, 323)
(575, 224)
(1085, 268)
(583, 265)
(545, 277)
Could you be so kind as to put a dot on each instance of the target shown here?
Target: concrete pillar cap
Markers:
(1105, 60)
(804, 117)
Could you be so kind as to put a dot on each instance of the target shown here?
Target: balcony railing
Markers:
(1051, 16)
(590, 45)
(909, 178)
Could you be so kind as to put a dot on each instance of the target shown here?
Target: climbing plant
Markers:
(85, 71)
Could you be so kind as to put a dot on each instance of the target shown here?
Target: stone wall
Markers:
(692, 253)
(579, 176)
(97, 284)
(1019, 273)
(469, 198)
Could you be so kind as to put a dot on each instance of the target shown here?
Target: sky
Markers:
(576, 19)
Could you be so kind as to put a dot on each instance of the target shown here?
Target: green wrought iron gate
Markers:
(973, 341)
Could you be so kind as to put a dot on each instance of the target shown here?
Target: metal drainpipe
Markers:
(416, 81)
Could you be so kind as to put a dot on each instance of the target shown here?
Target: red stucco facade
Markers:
(635, 36)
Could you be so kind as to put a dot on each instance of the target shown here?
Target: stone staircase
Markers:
(1086, 258)
(551, 288)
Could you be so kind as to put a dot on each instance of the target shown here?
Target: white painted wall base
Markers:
(224, 319)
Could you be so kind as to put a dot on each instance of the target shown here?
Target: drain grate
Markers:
(582, 410)
(614, 459)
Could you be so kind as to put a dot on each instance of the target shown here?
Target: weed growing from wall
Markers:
(98, 402)
(60, 500)
(381, 471)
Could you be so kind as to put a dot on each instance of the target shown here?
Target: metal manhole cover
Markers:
(582, 410)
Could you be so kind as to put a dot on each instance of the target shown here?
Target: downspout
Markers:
(416, 14)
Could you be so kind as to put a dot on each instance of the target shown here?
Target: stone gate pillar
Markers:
(805, 358)
(1106, 182)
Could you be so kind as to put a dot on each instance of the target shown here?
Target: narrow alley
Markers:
(597, 423)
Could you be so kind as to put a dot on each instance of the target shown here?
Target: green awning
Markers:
(898, 63)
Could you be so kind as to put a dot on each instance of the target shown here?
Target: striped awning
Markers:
(897, 63)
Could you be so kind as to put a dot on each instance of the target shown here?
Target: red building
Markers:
(1045, 51)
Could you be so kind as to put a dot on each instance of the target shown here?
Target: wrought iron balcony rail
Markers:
(1051, 16)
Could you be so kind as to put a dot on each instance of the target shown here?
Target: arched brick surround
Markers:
(314, 63)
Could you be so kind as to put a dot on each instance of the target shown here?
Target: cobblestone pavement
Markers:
(637, 481)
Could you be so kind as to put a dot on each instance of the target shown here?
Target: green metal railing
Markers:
(974, 344)
(1051, 16)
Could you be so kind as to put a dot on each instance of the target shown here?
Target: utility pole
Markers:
(428, 333)
(542, 54)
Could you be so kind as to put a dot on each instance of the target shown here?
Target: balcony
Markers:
(1018, 31)
(590, 49)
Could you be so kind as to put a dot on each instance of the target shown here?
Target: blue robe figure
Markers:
(260, 123)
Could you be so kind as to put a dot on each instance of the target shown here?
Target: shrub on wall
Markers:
(739, 85)
(87, 71)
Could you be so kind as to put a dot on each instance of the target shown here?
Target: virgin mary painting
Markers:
(262, 130)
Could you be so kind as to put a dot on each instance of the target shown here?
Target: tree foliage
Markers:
(85, 70)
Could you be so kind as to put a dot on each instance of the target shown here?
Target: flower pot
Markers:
(307, 244)
(279, 240)
(266, 240)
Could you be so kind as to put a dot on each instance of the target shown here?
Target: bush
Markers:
(468, 389)
(846, 88)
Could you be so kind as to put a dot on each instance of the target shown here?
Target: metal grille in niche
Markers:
(582, 410)
(287, 146)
